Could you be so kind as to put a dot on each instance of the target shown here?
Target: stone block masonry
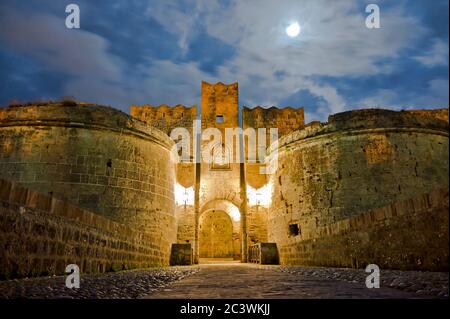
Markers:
(94, 157)
(100, 160)
(408, 235)
(164, 117)
(360, 161)
(41, 235)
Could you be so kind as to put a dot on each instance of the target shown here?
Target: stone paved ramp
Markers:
(236, 280)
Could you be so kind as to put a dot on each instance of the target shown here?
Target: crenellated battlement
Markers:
(165, 117)
(219, 105)
(220, 86)
(286, 119)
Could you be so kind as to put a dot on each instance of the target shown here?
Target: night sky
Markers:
(137, 52)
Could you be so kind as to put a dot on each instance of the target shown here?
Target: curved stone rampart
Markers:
(94, 157)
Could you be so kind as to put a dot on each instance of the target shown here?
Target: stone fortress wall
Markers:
(40, 235)
(164, 117)
(368, 186)
(286, 119)
(96, 158)
(329, 174)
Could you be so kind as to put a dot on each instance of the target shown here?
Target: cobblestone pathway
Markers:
(233, 280)
(120, 285)
(254, 281)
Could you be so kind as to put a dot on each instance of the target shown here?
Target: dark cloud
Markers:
(25, 80)
(159, 51)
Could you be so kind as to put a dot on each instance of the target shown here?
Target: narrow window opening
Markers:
(219, 119)
(294, 230)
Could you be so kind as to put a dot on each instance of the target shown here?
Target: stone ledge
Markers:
(82, 116)
(39, 218)
(409, 235)
(371, 121)
(419, 204)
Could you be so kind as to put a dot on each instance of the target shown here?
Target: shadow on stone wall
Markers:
(407, 235)
(40, 235)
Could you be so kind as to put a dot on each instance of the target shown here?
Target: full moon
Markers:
(293, 30)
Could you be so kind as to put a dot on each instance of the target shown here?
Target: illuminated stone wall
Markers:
(337, 198)
(40, 235)
(167, 118)
(408, 235)
(219, 182)
(357, 162)
(186, 224)
(164, 117)
(97, 158)
(257, 224)
(285, 119)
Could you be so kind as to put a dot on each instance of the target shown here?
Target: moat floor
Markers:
(236, 280)
(229, 279)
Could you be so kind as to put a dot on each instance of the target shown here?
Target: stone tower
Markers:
(221, 180)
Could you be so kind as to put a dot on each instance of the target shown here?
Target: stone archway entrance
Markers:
(218, 232)
(215, 235)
